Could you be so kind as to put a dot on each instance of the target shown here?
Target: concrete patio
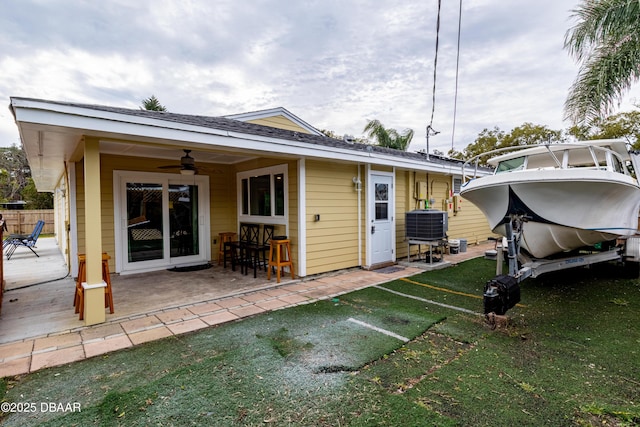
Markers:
(38, 326)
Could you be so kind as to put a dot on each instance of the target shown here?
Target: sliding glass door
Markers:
(163, 218)
(183, 220)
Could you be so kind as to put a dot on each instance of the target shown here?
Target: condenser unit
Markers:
(426, 224)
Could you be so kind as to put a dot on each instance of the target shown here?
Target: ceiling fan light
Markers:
(187, 171)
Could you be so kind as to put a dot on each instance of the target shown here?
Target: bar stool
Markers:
(78, 299)
(225, 237)
(282, 250)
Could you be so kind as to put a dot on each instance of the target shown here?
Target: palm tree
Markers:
(606, 44)
(389, 138)
(152, 104)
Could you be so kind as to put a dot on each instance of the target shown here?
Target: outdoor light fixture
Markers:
(357, 182)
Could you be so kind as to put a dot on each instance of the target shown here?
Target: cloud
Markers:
(334, 63)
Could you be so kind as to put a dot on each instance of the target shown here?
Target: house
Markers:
(155, 189)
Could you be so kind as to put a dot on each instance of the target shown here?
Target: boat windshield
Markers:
(511, 165)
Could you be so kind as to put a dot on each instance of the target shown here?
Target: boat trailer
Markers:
(503, 291)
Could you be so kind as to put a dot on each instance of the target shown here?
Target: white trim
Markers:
(393, 216)
(367, 210)
(274, 112)
(120, 221)
(86, 286)
(272, 219)
(370, 206)
(302, 218)
(73, 218)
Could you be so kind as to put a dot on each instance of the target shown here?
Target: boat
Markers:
(563, 196)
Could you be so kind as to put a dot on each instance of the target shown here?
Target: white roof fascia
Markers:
(66, 116)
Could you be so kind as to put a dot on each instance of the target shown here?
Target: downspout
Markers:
(359, 190)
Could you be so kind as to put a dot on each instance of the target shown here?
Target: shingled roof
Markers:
(237, 126)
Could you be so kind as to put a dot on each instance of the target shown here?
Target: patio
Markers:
(39, 292)
(38, 326)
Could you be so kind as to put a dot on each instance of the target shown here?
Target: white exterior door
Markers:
(381, 218)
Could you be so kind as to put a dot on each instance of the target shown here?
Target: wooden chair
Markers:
(14, 241)
(256, 253)
(224, 238)
(78, 299)
(243, 251)
(281, 250)
(267, 235)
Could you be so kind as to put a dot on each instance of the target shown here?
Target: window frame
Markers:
(246, 176)
(456, 188)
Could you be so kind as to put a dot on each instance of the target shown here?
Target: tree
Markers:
(35, 199)
(606, 44)
(525, 134)
(624, 125)
(152, 104)
(332, 134)
(530, 134)
(16, 182)
(14, 172)
(389, 138)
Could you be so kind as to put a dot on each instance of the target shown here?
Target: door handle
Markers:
(373, 229)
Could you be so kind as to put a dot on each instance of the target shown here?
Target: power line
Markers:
(455, 96)
(435, 66)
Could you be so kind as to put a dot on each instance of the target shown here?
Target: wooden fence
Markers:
(23, 222)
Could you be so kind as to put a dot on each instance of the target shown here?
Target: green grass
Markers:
(571, 356)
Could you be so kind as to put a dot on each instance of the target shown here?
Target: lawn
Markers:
(570, 356)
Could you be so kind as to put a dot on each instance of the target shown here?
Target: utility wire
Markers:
(455, 96)
(435, 66)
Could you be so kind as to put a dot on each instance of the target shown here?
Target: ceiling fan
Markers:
(187, 164)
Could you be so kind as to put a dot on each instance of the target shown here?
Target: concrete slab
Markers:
(107, 345)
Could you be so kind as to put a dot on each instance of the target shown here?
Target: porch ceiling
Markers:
(172, 154)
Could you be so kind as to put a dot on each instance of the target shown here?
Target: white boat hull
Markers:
(565, 209)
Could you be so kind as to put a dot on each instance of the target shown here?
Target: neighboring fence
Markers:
(23, 222)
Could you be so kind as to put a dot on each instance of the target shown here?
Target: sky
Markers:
(336, 64)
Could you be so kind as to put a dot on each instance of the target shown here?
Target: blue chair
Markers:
(14, 241)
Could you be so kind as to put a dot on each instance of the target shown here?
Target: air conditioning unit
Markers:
(426, 224)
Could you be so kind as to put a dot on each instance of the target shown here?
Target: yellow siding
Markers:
(332, 242)
(403, 204)
(279, 122)
(469, 223)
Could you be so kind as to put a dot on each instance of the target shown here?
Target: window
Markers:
(382, 201)
(511, 165)
(457, 184)
(263, 194)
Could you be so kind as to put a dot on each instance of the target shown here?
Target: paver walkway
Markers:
(30, 355)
